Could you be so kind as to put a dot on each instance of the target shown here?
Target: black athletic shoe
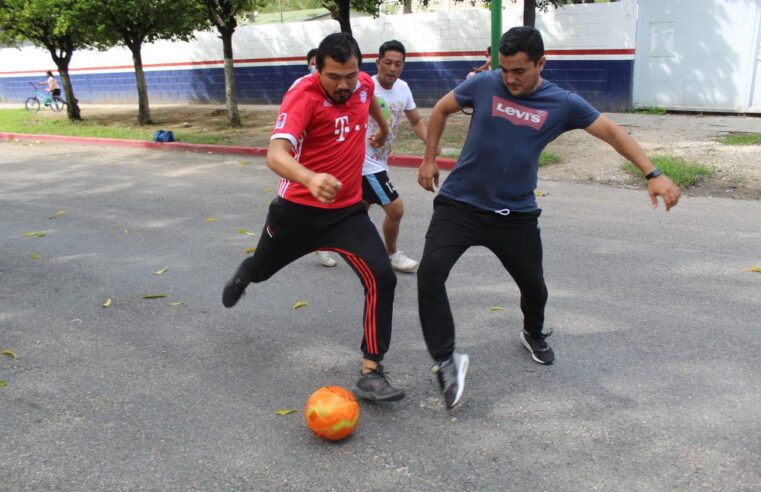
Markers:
(541, 352)
(375, 386)
(233, 291)
(451, 374)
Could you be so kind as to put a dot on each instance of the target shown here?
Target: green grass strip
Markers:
(547, 158)
(741, 139)
(21, 121)
(681, 172)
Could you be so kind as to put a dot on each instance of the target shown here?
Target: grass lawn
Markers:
(681, 172)
(741, 139)
(48, 123)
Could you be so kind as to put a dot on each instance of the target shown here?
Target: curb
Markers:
(401, 160)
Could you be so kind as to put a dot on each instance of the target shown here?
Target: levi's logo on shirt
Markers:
(517, 114)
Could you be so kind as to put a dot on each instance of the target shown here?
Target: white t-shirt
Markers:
(393, 103)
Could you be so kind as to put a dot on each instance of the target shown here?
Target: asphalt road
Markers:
(655, 318)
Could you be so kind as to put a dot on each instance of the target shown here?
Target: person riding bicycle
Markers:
(53, 88)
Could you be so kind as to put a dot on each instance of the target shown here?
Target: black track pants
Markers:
(456, 226)
(293, 230)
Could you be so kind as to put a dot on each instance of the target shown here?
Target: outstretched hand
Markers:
(665, 188)
(324, 187)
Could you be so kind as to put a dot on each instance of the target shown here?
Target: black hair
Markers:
(488, 50)
(49, 73)
(392, 45)
(339, 46)
(311, 54)
(523, 38)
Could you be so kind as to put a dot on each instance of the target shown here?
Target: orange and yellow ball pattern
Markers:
(332, 413)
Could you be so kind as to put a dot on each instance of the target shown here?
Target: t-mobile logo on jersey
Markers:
(342, 128)
(517, 114)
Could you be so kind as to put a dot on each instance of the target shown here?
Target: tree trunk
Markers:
(72, 105)
(143, 110)
(407, 7)
(343, 16)
(529, 12)
(62, 61)
(233, 116)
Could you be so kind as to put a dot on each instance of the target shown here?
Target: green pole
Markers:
(496, 31)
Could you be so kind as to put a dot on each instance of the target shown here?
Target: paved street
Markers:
(655, 318)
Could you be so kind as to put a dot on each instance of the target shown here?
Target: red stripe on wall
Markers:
(366, 56)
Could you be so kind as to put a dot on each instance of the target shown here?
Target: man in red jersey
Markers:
(317, 148)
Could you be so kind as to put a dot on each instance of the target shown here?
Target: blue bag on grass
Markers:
(163, 136)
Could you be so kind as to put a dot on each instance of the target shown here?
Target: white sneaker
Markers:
(325, 258)
(401, 263)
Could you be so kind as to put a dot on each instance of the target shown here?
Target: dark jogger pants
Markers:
(456, 226)
(293, 230)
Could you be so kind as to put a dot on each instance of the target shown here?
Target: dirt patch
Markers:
(584, 159)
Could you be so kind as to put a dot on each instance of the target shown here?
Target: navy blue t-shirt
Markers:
(497, 169)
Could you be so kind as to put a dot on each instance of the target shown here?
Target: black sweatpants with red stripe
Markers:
(293, 230)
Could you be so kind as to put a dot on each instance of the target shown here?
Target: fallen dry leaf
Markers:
(154, 296)
(161, 271)
(175, 303)
(286, 411)
(245, 232)
(755, 269)
(245, 163)
(36, 256)
(496, 308)
(107, 303)
(10, 353)
(33, 234)
(211, 219)
(57, 214)
(126, 231)
(3, 383)
(250, 250)
(300, 304)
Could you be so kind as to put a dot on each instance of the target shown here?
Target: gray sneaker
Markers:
(451, 374)
(375, 386)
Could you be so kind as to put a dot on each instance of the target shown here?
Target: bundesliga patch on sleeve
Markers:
(281, 121)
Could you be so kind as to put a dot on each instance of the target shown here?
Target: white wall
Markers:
(698, 55)
(599, 26)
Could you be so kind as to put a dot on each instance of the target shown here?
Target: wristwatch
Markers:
(654, 173)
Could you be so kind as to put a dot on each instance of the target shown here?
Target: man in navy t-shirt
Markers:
(488, 199)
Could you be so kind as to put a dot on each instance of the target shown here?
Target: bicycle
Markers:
(34, 103)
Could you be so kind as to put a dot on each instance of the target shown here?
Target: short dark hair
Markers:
(340, 46)
(523, 38)
(392, 45)
(488, 50)
(49, 73)
(311, 54)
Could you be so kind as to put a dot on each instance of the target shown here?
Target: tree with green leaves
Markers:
(531, 6)
(340, 10)
(133, 23)
(60, 26)
(222, 15)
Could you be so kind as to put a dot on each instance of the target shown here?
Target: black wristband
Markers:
(654, 173)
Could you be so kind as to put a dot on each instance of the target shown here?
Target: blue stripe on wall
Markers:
(606, 84)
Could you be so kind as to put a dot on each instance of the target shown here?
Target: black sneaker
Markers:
(233, 291)
(451, 374)
(540, 351)
(375, 386)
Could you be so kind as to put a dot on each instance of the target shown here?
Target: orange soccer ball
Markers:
(332, 413)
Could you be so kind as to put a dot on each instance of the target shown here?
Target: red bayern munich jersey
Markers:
(326, 137)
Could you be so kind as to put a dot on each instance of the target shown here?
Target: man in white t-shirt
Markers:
(395, 99)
